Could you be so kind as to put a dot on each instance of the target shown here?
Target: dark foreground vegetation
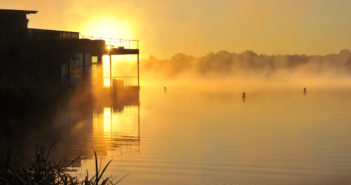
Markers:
(42, 170)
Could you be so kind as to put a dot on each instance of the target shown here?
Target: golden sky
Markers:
(196, 27)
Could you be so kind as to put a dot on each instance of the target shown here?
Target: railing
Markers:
(127, 80)
(117, 43)
(41, 34)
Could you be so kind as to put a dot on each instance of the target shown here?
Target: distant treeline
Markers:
(249, 64)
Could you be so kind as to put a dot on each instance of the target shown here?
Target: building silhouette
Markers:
(38, 65)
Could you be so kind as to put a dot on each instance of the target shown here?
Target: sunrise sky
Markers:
(196, 27)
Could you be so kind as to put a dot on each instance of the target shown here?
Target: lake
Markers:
(207, 134)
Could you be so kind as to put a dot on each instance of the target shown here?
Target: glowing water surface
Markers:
(192, 136)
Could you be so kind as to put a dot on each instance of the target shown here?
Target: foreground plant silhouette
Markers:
(43, 171)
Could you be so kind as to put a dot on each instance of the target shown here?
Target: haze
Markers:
(199, 27)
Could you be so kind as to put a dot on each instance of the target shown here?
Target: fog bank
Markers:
(248, 64)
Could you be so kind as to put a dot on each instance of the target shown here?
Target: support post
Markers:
(99, 59)
(110, 68)
(139, 122)
(111, 122)
(138, 71)
(69, 72)
(100, 73)
(84, 63)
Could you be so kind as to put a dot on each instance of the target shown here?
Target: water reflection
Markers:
(106, 130)
(116, 129)
(82, 127)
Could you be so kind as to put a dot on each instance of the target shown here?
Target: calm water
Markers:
(206, 136)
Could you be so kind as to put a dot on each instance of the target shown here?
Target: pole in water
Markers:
(243, 97)
(304, 91)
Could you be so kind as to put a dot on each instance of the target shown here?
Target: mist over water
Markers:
(248, 64)
(197, 129)
(193, 126)
(193, 135)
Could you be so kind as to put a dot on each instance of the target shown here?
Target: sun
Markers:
(107, 27)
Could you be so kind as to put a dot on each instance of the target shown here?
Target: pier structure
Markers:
(61, 58)
(116, 46)
(117, 86)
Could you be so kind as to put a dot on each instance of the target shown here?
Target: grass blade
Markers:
(96, 169)
(103, 171)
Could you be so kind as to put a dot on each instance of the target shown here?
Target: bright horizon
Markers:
(165, 28)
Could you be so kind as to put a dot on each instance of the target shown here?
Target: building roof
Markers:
(11, 11)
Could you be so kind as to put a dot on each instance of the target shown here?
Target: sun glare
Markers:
(107, 27)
